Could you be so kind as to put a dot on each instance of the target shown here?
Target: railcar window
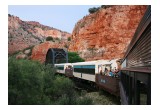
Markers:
(136, 90)
(143, 93)
(60, 67)
(88, 69)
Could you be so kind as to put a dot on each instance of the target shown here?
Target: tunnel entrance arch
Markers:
(56, 55)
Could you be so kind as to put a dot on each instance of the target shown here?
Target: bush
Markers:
(93, 10)
(9, 15)
(84, 101)
(64, 91)
(49, 38)
(74, 57)
(30, 82)
(65, 94)
(26, 82)
(105, 6)
(69, 38)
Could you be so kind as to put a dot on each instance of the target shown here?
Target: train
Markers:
(95, 72)
(131, 75)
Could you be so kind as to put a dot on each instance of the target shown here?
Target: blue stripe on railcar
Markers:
(85, 66)
(60, 67)
(87, 69)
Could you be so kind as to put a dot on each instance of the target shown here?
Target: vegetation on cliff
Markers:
(74, 57)
(94, 9)
(49, 38)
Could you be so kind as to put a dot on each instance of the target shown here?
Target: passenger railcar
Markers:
(60, 68)
(65, 68)
(84, 70)
(104, 80)
(135, 84)
(95, 72)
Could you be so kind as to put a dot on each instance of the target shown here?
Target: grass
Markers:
(103, 98)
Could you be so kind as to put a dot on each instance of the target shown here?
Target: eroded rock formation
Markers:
(39, 51)
(106, 33)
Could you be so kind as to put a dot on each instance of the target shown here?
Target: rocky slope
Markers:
(106, 33)
(39, 51)
(26, 34)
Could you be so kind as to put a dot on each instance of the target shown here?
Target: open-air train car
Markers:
(104, 80)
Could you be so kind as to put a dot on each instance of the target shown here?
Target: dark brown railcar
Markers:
(135, 80)
(108, 83)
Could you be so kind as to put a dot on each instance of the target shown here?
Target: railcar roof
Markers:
(85, 63)
(64, 64)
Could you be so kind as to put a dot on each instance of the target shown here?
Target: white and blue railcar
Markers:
(84, 70)
(60, 68)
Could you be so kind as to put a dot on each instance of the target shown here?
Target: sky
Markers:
(63, 17)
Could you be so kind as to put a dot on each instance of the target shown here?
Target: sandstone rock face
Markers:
(39, 51)
(21, 56)
(24, 34)
(106, 33)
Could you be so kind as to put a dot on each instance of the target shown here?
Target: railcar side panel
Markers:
(108, 83)
(135, 85)
(77, 75)
(88, 77)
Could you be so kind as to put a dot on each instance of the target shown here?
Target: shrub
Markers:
(49, 38)
(69, 38)
(74, 57)
(64, 91)
(84, 101)
(105, 6)
(30, 82)
(93, 10)
(9, 15)
(24, 82)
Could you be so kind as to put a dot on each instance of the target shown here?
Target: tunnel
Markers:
(56, 55)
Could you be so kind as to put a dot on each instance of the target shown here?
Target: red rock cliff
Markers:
(39, 51)
(106, 33)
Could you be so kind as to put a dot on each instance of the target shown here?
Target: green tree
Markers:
(74, 57)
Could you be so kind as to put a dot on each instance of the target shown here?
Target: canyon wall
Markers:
(106, 33)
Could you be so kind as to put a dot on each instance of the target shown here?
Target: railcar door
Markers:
(69, 70)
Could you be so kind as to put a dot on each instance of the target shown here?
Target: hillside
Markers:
(106, 33)
(26, 34)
